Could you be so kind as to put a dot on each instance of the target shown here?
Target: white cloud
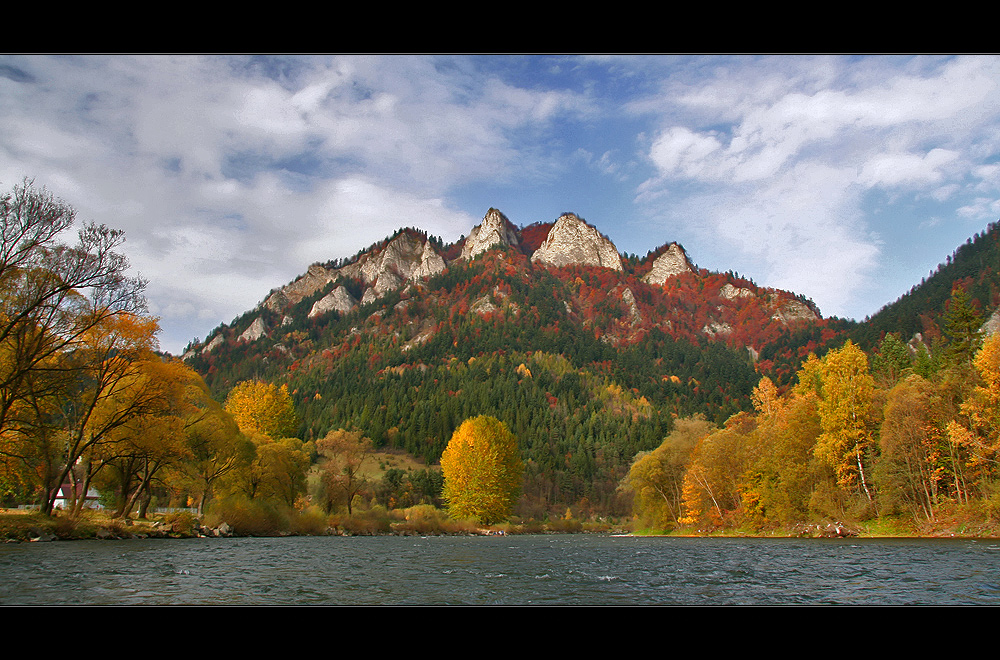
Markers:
(230, 175)
(683, 152)
(895, 169)
(791, 145)
(229, 181)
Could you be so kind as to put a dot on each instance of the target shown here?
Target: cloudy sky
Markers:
(846, 179)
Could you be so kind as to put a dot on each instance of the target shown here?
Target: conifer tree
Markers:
(962, 323)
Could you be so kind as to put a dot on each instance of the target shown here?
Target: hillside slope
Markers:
(587, 355)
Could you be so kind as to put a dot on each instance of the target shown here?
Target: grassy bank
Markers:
(25, 525)
(254, 519)
(251, 519)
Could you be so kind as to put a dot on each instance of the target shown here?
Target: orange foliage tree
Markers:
(346, 453)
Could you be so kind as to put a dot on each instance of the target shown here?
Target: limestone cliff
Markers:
(338, 300)
(495, 229)
(255, 331)
(730, 292)
(409, 255)
(671, 263)
(571, 241)
(790, 311)
(314, 279)
(406, 257)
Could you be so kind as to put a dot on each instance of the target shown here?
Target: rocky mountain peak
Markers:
(314, 279)
(495, 229)
(339, 300)
(671, 263)
(406, 257)
(571, 241)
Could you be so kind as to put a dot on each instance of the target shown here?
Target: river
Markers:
(501, 570)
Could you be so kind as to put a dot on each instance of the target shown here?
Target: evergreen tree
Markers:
(962, 323)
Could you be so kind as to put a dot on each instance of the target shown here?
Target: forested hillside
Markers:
(974, 267)
(587, 365)
(593, 367)
(633, 386)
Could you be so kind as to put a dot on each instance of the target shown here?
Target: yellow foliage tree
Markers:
(656, 477)
(482, 470)
(714, 479)
(979, 432)
(263, 408)
(845, 410)
(911, 466)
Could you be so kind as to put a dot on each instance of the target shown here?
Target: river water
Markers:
(513, 570)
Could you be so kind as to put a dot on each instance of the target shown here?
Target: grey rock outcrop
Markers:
(795, 310)
(406, 257)
(495, 229)
(571, 241)
(671, 263)
(314, 279)
(214, 344)
(338, 300)
(714, 328)
(431, 263)
(992, 324)
(730, 292)
(256, 330)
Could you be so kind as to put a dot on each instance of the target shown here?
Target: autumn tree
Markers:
(264, 408)
(217, 447)
(785, 471)
(117, 385)
(656, 477)
(151, 450)
(346, 454)
(911, 465)
(977, 430)
(53, 297)
(52, 294)
(482, 470)
(846, 416)
(714, 480)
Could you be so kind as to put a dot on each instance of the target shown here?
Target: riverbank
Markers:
(30, 526)
(20, 526)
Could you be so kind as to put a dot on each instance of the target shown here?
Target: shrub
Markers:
(364, 523)
(248, 517)
(181, 522)
(423, 519)
(310, 521)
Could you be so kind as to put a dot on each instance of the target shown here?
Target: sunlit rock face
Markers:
(314, 279)
(671, 263)
(338, 300)
(256, 330)
(795, 310)
(730, 292)
(406, 257)
(494, 230)
(571, 241)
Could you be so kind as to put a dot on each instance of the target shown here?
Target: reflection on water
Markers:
(511, 570)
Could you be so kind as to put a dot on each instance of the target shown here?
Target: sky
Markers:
(843, 178)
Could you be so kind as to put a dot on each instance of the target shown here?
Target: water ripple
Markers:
(539, 570)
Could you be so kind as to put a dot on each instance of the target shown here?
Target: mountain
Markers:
(919, 313)
(586, 354)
